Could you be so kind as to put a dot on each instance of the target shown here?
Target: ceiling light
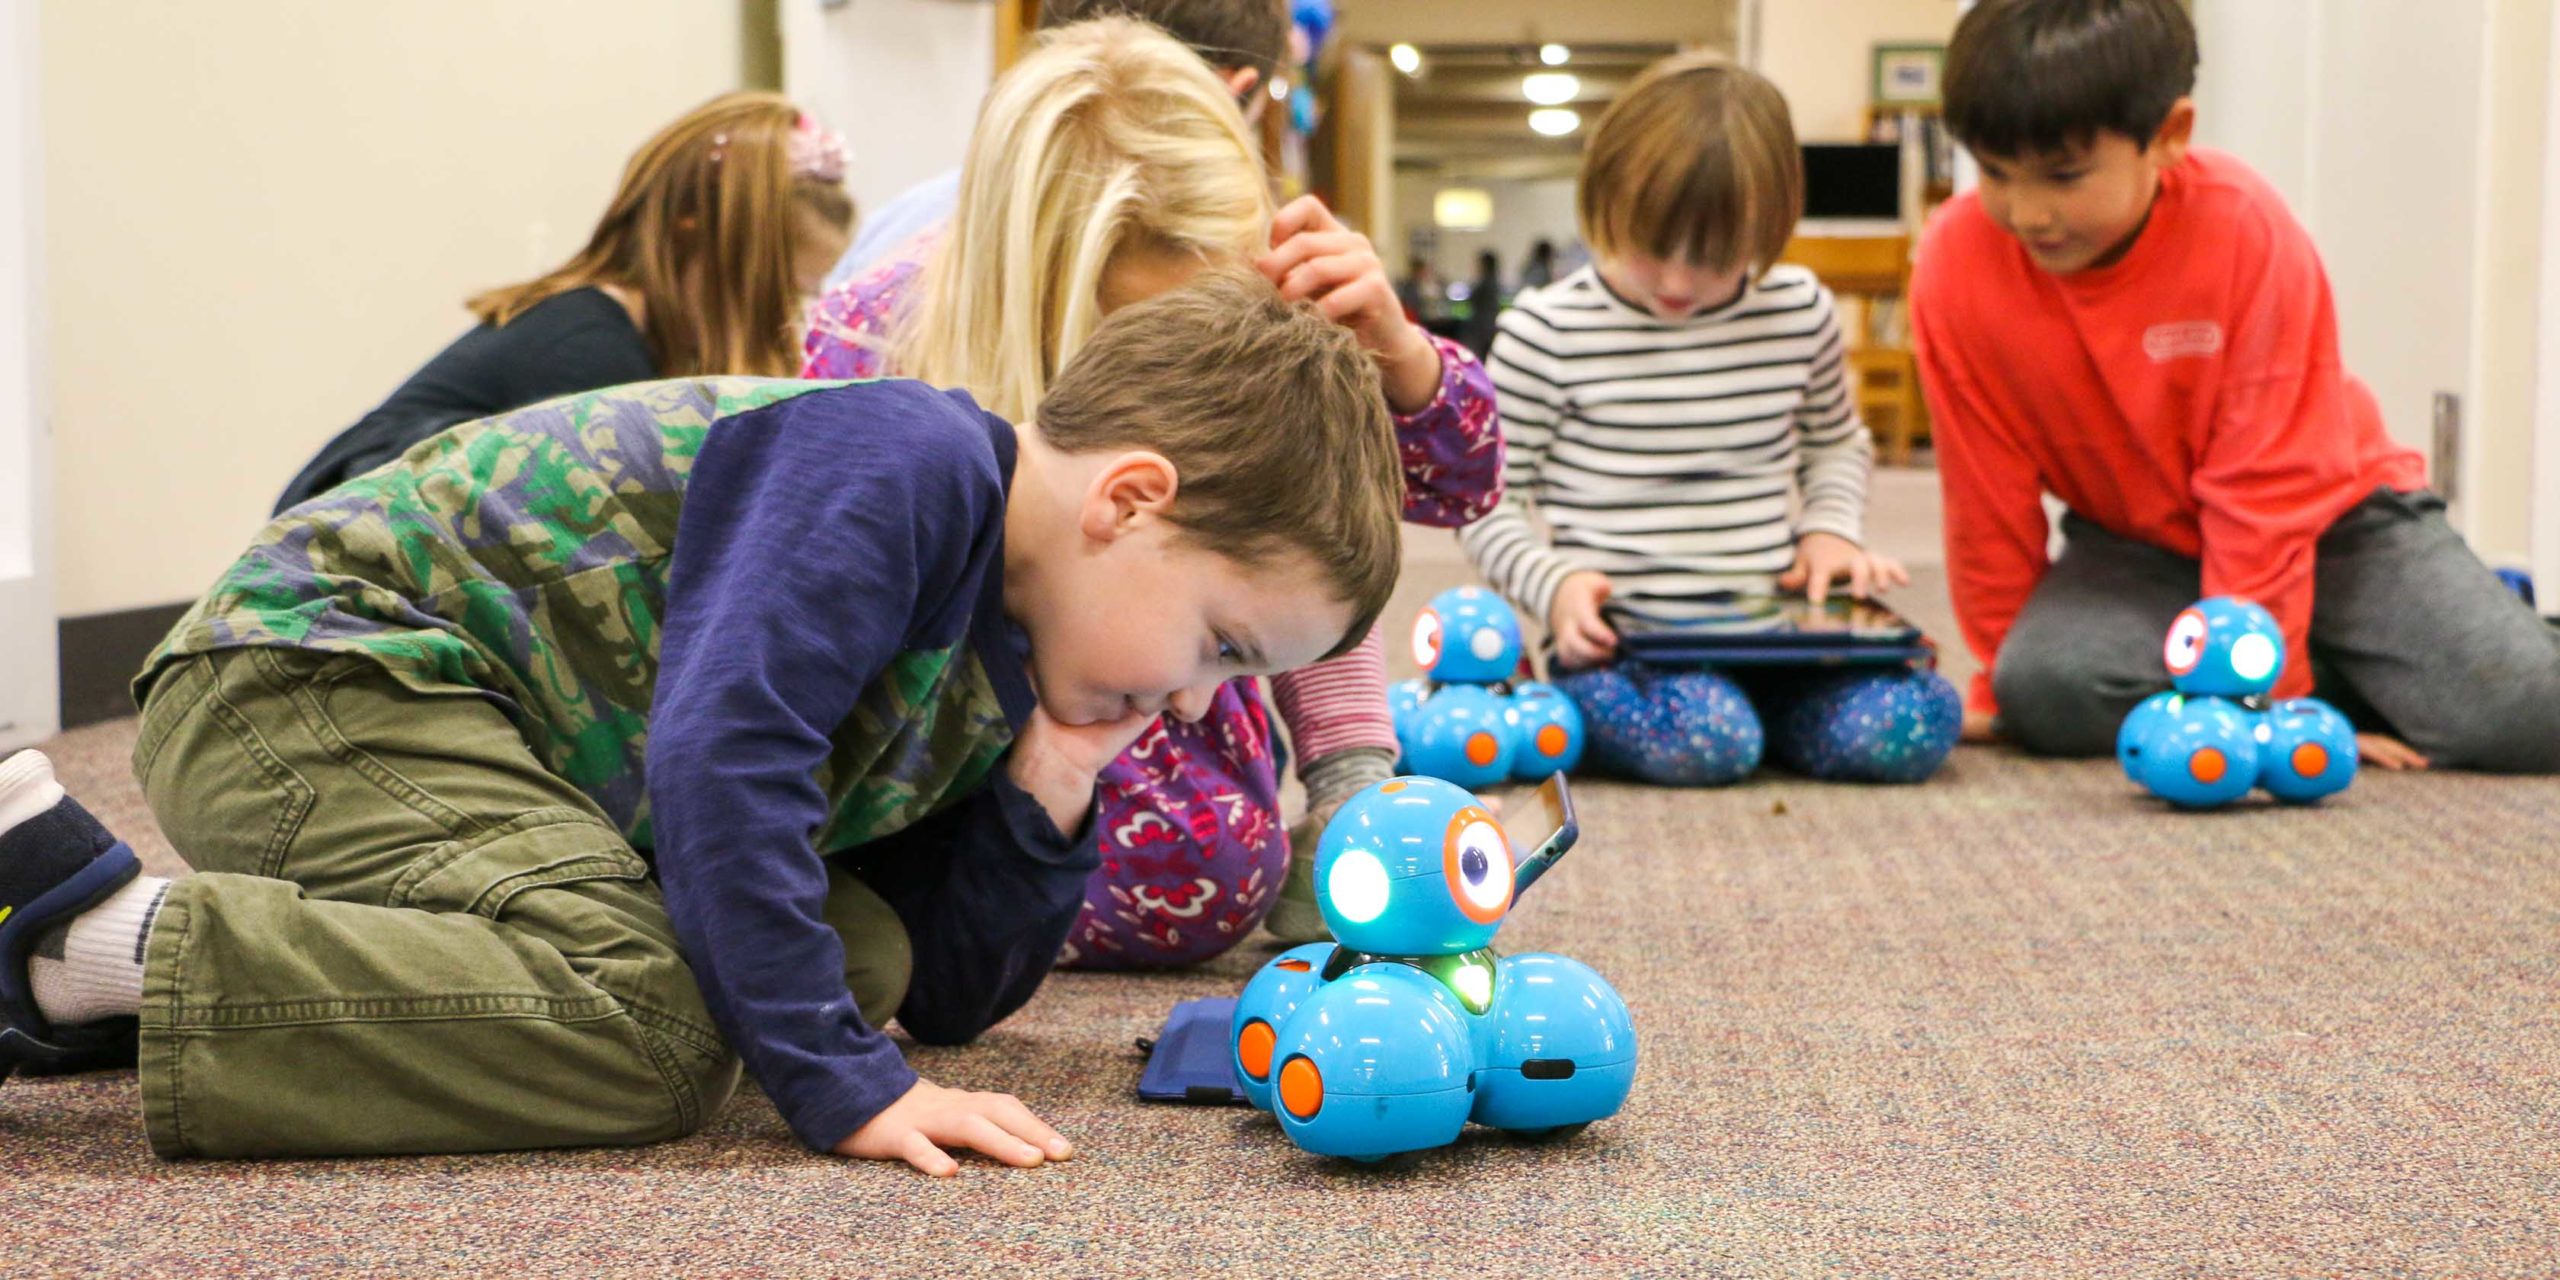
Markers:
(1555, 122)
(1407, 58)
(1550, 88)
(1462, 209)
(1554, 55)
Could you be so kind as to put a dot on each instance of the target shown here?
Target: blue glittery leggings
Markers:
(1700, 728)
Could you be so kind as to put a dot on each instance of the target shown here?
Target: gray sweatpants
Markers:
(2410, 635)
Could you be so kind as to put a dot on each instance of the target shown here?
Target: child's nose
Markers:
(1193, 703)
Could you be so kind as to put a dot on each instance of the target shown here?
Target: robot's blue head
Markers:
(1467, 635)
(2226, 647)
(1414, 867)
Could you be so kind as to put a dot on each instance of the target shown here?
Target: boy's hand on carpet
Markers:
(928, 1118)
(1573, 619)
(2383, 751)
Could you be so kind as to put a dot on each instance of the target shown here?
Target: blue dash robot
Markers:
(2215, 736)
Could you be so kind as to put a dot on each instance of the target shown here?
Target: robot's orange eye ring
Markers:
(1475, 858)
(1426, 638)
(2185, 646)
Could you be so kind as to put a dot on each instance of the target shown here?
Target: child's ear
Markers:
(2177, 130)
(1126, 491)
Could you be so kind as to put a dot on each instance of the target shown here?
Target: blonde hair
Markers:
(1697, 160)
(1237, 389)
(1109, 138)
(703, 228)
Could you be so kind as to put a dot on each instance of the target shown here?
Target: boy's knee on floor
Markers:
(2515, 731)
(2051, 706)
(879, 958)
(879, 979)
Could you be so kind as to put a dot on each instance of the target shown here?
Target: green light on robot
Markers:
(1474, 984)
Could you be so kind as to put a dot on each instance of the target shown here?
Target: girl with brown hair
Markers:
(723, 227)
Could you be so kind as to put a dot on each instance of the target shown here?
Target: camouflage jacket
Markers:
(527, 556)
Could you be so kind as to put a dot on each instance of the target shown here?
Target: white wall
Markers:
(2408, 140)
(917, 67)
(2507, 255)
(2545, 514)
(263, 214)
(1523, 212)
(28, 702)
(1820, 53)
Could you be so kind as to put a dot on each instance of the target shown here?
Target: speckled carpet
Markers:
(2017, 1021)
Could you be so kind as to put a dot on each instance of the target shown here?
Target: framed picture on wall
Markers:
(1907, 75)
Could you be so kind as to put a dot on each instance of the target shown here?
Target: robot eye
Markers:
(1476, 858)
(1426, 639)
(2186, 643)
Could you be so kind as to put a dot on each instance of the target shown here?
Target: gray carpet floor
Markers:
(2017, 1021)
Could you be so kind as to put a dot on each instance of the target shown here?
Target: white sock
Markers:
(27, 788)
(92, 968)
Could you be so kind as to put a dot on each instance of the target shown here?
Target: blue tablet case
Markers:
(1189, 1063)
(1757, 634)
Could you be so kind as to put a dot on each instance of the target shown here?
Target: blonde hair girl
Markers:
(1107, 165)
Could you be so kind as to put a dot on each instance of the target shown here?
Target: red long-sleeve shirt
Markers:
(2188, 396)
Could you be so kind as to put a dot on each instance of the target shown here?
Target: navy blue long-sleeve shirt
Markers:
(837, 676)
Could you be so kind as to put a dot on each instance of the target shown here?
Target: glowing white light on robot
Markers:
(1358, 886)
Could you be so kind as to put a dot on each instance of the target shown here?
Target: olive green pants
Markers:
(405, 935)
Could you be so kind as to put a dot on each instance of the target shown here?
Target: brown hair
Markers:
(1697, 160)
(2043, 76)
(1251, 34)
(1272, 416)
(703, 229)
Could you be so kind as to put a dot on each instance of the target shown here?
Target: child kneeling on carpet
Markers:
(872, 644)
(1663, 404)
(2139, 327)
(1107, 165)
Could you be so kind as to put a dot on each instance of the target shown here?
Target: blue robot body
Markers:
(2226, 647)
(1560, 1049)
(1395, 1039)
(1378, 1061)
(2307, 750)
(2199, 747)
(1467, 635)
(1461, 736)
(1546, 732)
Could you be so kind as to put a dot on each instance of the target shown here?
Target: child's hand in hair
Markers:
(928, 1118)
(1314, 256)
(1583, 638)
(1824, 558)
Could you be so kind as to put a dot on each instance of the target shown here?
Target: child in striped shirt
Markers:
(1679, 413)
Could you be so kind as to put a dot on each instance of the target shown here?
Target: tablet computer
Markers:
(1771, 631)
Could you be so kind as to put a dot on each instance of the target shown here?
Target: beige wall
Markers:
(262, 214)
(920, 65)
(1820, 53)
(2501, 425)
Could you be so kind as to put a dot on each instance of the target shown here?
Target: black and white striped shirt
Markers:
(1665, 454)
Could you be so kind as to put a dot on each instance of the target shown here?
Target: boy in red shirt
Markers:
(2141, 328)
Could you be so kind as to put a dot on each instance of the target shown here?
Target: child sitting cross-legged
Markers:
(1664, 405)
